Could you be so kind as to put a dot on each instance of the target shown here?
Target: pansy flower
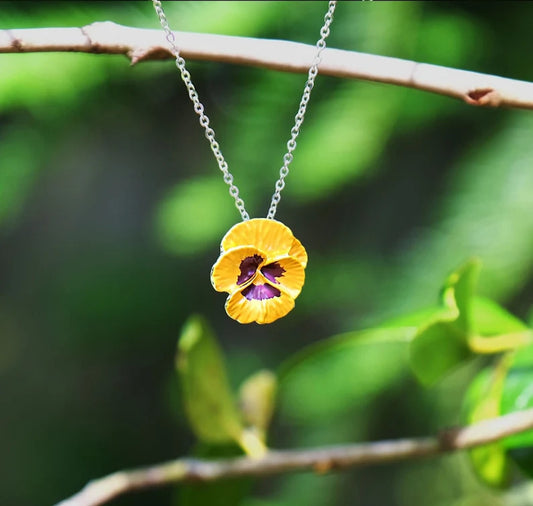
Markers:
(262, 267)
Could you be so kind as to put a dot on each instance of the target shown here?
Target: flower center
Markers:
(248, 268)
(260, 292)
(273, 271)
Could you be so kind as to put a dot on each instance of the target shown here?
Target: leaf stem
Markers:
(499, 344)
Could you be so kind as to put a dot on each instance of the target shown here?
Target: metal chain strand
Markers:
(199, 110)
(299, 118)
(210, 133)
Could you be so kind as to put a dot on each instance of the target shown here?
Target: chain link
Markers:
(210, 133)
(300, 115)
(199, 110)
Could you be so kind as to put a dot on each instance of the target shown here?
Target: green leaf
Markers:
(257, 396)
(422, 317)
(490, 319)
(436, 350)
(442, 342)
(329, 378)
(208, 400)
(463, 325)
(518, 395)
(504, 389)
(458, 293)
(482, 401)
(497, 330)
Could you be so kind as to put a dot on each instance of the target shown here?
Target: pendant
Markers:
(262, 267)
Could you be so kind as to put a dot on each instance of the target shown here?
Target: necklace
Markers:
(261, 264)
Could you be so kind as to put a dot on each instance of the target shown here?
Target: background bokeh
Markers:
(112, 209)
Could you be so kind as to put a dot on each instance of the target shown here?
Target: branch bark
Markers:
(319, 460)
(140, 44)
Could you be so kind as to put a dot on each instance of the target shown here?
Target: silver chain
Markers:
(210, 133)
(299, 118)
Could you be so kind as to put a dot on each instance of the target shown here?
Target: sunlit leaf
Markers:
(491, 319)
(482, 401)
(435, 350)
(422, 318)
(207, 396)
(449, 336)
(496, 330)
(504, 389)
(348, 370)
(458, 293)
(442, 343)
(257, 396)
(518, 395)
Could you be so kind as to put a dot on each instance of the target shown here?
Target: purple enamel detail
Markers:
(260, 292)
(248, 268)
(273, 271)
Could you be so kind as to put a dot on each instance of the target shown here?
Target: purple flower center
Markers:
(248, 268)
(273, 271)
(260, 292)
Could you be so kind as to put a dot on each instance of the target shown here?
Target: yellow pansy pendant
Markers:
(261, 264)
(262, 267)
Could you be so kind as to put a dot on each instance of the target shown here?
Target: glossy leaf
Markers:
(518, 395)
(208, 400)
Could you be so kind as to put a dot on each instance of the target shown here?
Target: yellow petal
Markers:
(243, 310)
(298, 251)
(270, 236)
(227, 270)
(286, 273)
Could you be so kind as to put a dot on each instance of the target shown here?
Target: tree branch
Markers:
(140, 44)
(319, 460)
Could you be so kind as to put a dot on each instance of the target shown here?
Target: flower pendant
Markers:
(262, 267)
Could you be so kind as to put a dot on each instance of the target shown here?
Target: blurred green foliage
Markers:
(112, 209)
(207, 398)
(353, 368)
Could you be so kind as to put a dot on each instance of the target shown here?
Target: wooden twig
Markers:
(317, 459)
(140, 44)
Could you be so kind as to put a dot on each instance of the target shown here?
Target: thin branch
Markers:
(319, 460)
(140, 44)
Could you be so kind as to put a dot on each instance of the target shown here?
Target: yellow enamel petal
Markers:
(291, 278)
(243, 310)
(227, 269)
(298, 251)
(270, 236)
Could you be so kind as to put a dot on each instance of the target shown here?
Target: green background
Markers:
(112, 209)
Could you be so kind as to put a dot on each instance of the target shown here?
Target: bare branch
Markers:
(319, 460)
(140, 44)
